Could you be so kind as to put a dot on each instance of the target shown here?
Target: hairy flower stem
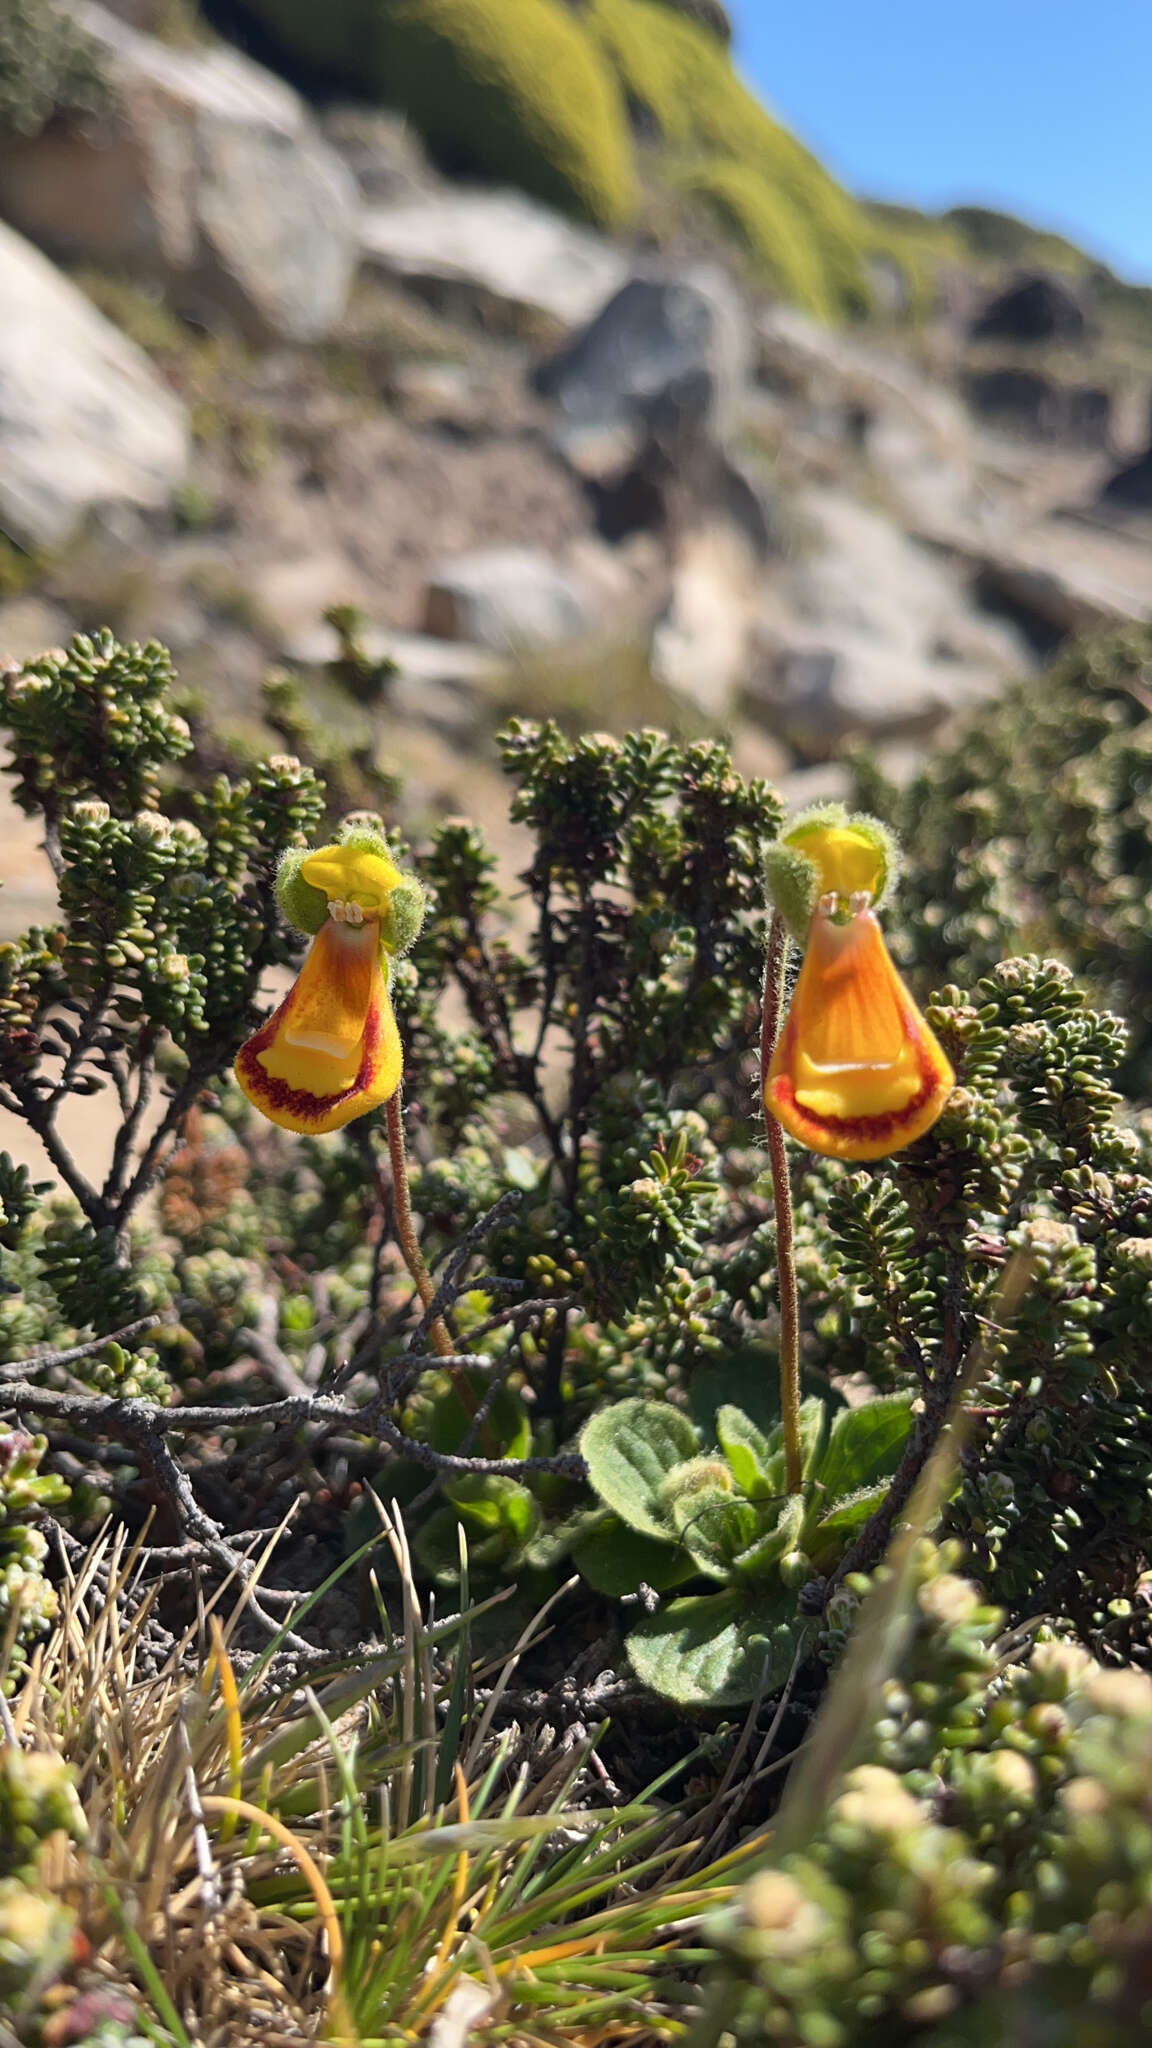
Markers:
(405, 1228)
(782, 1202)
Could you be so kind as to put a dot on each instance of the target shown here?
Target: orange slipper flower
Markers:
(331, 1052)
(856, 1072)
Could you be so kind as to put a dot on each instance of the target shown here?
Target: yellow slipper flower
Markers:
(332, 1051)
(857, 1072)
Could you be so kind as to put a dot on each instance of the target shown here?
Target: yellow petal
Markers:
(350, 874)
(857, 1072)
(848, 859)
(331, 1052)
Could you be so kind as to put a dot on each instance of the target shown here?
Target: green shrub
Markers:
(596, 1242)
(984, 1869)
(677, 74)
(27, 1598)
(711, 14)
(1008, 240)
(512, 89)
(757, 218)
(1034, 827)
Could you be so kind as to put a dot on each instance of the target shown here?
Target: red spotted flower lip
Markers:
(331, 1052)
(857, 1072)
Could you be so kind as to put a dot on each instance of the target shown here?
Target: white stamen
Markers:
(827, 906)
(353, 912)
(860, 899)
(337, 909)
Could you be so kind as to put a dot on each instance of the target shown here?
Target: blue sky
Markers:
(1040, 107)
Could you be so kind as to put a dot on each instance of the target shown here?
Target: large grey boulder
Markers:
(866, 632)
(826, 389)
(1026, 402)
(508, 599)
(844, 685)
(665, 356)
(1040, 308)
(84, 419)
(492, 258)
(1056, 574)
(212, 179)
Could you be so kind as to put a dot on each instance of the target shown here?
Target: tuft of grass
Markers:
(363, 1859)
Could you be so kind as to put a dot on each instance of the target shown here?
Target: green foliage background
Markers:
(590, 1186)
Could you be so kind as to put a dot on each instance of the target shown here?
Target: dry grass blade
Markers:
(257, 1874)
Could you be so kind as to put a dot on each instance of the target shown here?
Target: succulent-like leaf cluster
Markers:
(27, 1597)
(982, 1873)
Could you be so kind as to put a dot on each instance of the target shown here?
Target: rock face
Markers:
(865, 632)
(1041, 308)
(701, 639)
(507, 599)
(840, 392)
(492, 257)
(383, 153)
(84, 419)
(213, 181)
(1130, 489)
(1025, 402)
(662, 355)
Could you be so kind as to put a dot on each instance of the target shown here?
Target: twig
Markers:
(447, 1290)
(142, 1426)
(46, 1359)
(566, 1464)
(785, 1226)
(40, 1117)
(126, 1135)
(268, 1353)
(196, 1078)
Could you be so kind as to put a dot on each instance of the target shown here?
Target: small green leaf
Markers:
(631, 1449)
(711, 1649)
(834, 1532)
(490, 1500)
(715, 1527)
(446, 1422)
(813, 1417)
(618, 1560)
(550, 1547)
(499, 1515)
(760, 1559)
(864, 1444)
(756, 1467)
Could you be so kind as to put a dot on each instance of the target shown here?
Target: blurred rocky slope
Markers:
(569, 384)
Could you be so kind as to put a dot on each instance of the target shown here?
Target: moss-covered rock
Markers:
(709, 13)
(538, 92)
(758, 218)
(679, 81)
(513, 89)
(919, 245)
